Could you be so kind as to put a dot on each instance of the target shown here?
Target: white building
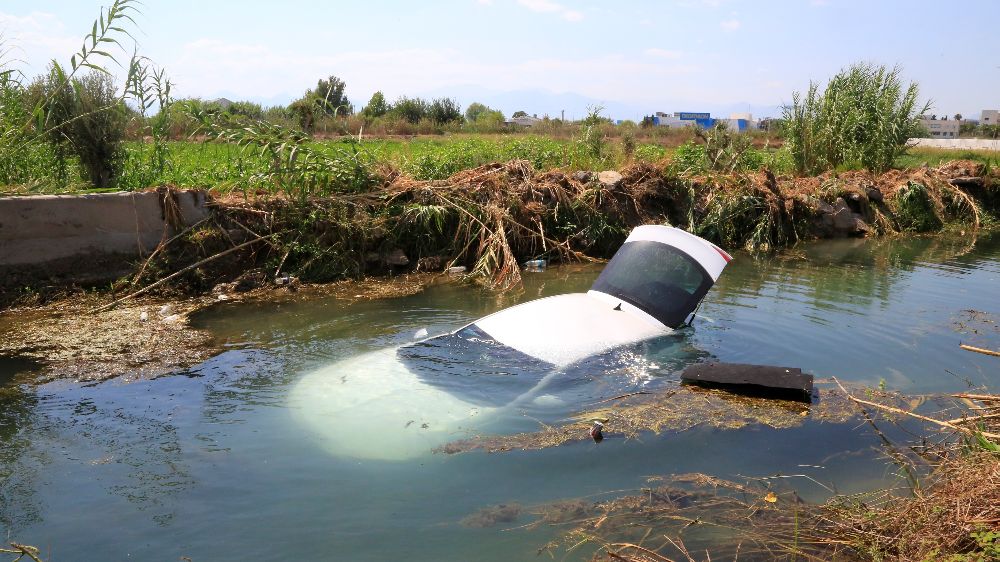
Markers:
(526, 121)
(940, 128)
(990, 117)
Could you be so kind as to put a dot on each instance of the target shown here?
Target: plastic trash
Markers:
(535, 265)
(457, 270)
(596, 432)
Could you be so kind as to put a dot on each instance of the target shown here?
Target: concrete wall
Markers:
(83, 238)
(967, 144)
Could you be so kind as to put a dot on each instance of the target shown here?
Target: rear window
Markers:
(661, 280)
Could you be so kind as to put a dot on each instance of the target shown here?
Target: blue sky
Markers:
(543, 56)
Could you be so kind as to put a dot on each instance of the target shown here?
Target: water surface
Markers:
(211, 463)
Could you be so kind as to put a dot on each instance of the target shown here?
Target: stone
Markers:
(583, 176)
(397, 258)
(874, 194)
(609, 178)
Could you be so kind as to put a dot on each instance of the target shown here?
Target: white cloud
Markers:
(731, 25)
(37, 38)
(663, 53)
(549, 7)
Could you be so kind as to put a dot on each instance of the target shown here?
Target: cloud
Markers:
(37, 38)
(663, 53)
(549, 7)
(210, 67)
(731, 25)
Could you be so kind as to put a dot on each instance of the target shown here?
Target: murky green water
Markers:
(212, 464)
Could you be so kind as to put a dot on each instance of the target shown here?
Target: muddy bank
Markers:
(76, 338)
(491, 219)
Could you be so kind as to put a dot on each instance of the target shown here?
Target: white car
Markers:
(402, 402)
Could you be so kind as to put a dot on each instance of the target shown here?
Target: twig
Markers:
(966, 419)
(980, 397)
(980, 350)
(911, 414)
(23, 550)
(182, 271)
(626, 545)
(163, 245)
(624, 396)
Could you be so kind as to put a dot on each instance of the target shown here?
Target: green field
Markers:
(224, 167)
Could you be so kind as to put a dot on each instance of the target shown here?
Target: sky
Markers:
(633, 57)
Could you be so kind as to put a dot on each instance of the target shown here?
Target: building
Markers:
(736, 121)
(940, 128)
(990, 117)
(525, 121)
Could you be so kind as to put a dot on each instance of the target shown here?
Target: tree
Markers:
(376, 107)
(330, 96)
(410, 109)
(519, 114)
(474, 111)
(958, 117)
(444, 110)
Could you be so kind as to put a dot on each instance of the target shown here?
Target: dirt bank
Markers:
(75, 338)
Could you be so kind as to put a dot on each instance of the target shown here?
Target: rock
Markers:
(431, 263)
(844, 221)
(173, 319)
(165, 310)
(583, 176)
(223, 297)
(144, 316)
(609, 178)
(249, 281)
(874, 194)
(397, 258)
(223, 288)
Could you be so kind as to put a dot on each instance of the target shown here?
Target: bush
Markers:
(863, 117)
(444, 110)
(410, 110)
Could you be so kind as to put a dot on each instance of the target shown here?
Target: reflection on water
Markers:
(212, 464)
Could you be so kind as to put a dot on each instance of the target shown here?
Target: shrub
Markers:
(863, 117)
(410, 110)
(444, 110)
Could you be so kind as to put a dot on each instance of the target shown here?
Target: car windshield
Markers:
(659, 279)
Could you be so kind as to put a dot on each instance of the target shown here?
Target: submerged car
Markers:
(402, 402)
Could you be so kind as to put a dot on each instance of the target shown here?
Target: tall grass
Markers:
(863, 118)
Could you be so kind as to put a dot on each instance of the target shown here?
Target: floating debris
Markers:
(679, 409)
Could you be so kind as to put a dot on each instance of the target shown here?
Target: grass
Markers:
(223, 166)
(920, 156)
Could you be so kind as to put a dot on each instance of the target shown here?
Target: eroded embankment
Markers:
(491, 219)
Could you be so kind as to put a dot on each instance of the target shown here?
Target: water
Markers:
(212, 463)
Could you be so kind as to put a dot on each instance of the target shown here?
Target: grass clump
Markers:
(863, 118)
